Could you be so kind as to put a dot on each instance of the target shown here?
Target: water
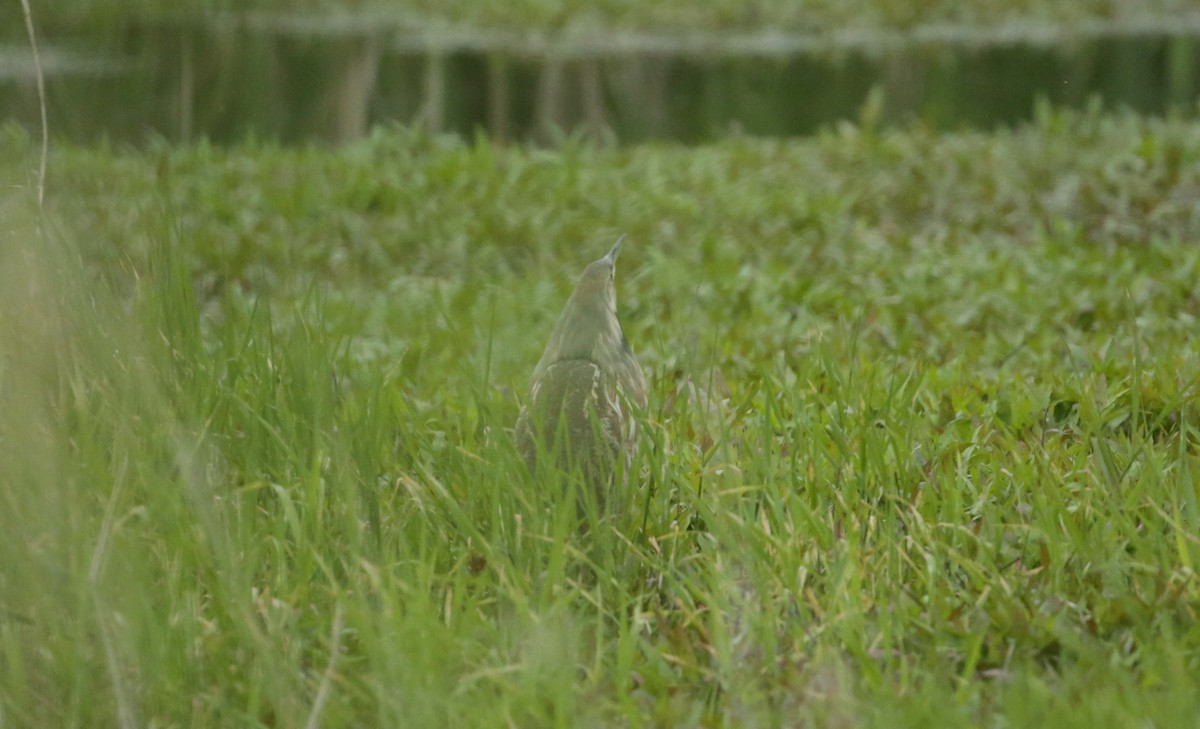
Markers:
(302, 81)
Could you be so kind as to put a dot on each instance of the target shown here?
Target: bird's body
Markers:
(584, 387)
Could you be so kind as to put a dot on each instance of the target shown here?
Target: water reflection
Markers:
(298, 82)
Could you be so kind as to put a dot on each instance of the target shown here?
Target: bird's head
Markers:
(596, 291)
(589, 320)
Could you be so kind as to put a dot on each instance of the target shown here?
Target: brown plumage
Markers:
(578, 410)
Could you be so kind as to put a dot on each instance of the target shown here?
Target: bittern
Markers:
(578, 411)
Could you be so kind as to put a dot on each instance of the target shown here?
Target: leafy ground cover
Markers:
(921, 444)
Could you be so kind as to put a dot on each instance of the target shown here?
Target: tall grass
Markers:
(921, 444)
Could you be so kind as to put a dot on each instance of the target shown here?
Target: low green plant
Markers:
(921, 444)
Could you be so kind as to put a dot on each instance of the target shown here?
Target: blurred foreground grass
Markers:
(922, 442)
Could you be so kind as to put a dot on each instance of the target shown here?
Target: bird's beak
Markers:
(616, 250)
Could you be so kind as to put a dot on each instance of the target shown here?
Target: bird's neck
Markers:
(590, 332)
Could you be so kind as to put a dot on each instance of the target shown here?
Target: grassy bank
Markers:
(921, 444)
(804, 16)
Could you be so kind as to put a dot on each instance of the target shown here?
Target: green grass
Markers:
(921, 446)
(803, 16)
